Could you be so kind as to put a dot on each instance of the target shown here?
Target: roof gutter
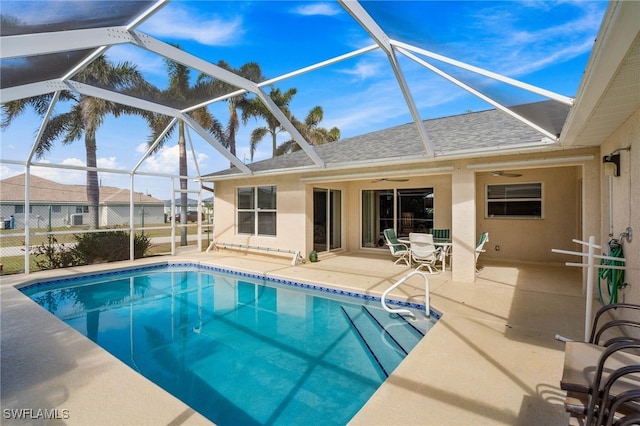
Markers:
(400, 161)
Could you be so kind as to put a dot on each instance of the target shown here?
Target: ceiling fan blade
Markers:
(505, 174)
(390, 180)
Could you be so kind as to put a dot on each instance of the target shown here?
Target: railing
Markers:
(591, 267)
(218, 245)
(397, 284)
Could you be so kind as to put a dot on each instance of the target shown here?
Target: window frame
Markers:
(514, 199)
(257, 211)
(19, 209)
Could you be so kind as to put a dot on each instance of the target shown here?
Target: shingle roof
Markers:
(47, 191)
(476, 130)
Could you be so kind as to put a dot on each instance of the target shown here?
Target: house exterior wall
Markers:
(625, 202)
(530, 239)
(293, 224)
(119, 215)
(564, 202)
(39, 216)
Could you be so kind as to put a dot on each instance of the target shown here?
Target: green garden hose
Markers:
(614, 278)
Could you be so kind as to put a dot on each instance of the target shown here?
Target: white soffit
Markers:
(610, 89)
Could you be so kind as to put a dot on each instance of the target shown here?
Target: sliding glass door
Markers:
(327, 219)
(404, 210)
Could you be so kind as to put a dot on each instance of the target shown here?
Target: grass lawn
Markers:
(15, 264)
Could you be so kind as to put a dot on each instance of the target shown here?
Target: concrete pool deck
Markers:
(491, 359)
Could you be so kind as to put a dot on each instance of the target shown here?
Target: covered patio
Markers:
(491, 359)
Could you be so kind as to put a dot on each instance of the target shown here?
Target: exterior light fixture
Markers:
(612, 162)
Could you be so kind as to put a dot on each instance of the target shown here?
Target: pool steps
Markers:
(387, 337)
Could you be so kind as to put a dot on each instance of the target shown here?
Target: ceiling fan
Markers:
(390, 180)
(505, 174)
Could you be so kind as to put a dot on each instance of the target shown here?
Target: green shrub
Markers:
(141, 245)
(109, 246)
(55, 255)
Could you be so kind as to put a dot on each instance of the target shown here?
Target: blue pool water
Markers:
(239, 348)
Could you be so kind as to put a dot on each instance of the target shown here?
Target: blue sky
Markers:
(544, 43)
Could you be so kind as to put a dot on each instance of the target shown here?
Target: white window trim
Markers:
(256, 210)
(487, 201)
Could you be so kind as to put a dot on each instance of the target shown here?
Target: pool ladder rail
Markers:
(402, 311)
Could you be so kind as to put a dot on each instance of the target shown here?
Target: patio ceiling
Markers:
(44, 56)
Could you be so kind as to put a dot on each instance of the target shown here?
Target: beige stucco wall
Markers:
(292, 222)
(571, 207)
(533, 239)
(625, 201)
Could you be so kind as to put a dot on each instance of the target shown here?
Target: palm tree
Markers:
(83, 118)
(178, 94)
(258, 109)
(310, 130)
(251, 71)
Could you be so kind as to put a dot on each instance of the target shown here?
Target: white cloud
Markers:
(363, 70)
(179, 22)
(142, 148)
(513, 50)
(65, 176)
(74, 176)
(325, 9)
(108, 163)
(8, 171)
(145, 62)
(167, 161)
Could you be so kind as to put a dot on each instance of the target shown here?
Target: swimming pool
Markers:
(237, 347)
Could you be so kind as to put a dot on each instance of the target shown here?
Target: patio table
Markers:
(446, 249)
(444, 243)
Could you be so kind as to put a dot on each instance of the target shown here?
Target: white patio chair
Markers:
(423, 251)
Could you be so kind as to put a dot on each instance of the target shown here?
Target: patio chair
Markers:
(484, 238)
(621, 329)
(407, 223)
(423, 251)
(441, 234)
(397, 249)
(595, 377)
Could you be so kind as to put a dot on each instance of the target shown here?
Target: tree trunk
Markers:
(184, 199)
(93, 186)
(233, 126)
(274, 142)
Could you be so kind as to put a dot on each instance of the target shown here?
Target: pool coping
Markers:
(496, 360)
(191, 264)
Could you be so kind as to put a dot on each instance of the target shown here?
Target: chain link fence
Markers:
(54, 226)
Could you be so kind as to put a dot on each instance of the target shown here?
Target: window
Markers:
(521, 200)
(82, 209)
(19, 208)
(405, 210)
(257, 210)
(56, 209)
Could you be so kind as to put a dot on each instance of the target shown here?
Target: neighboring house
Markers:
(59, 205)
